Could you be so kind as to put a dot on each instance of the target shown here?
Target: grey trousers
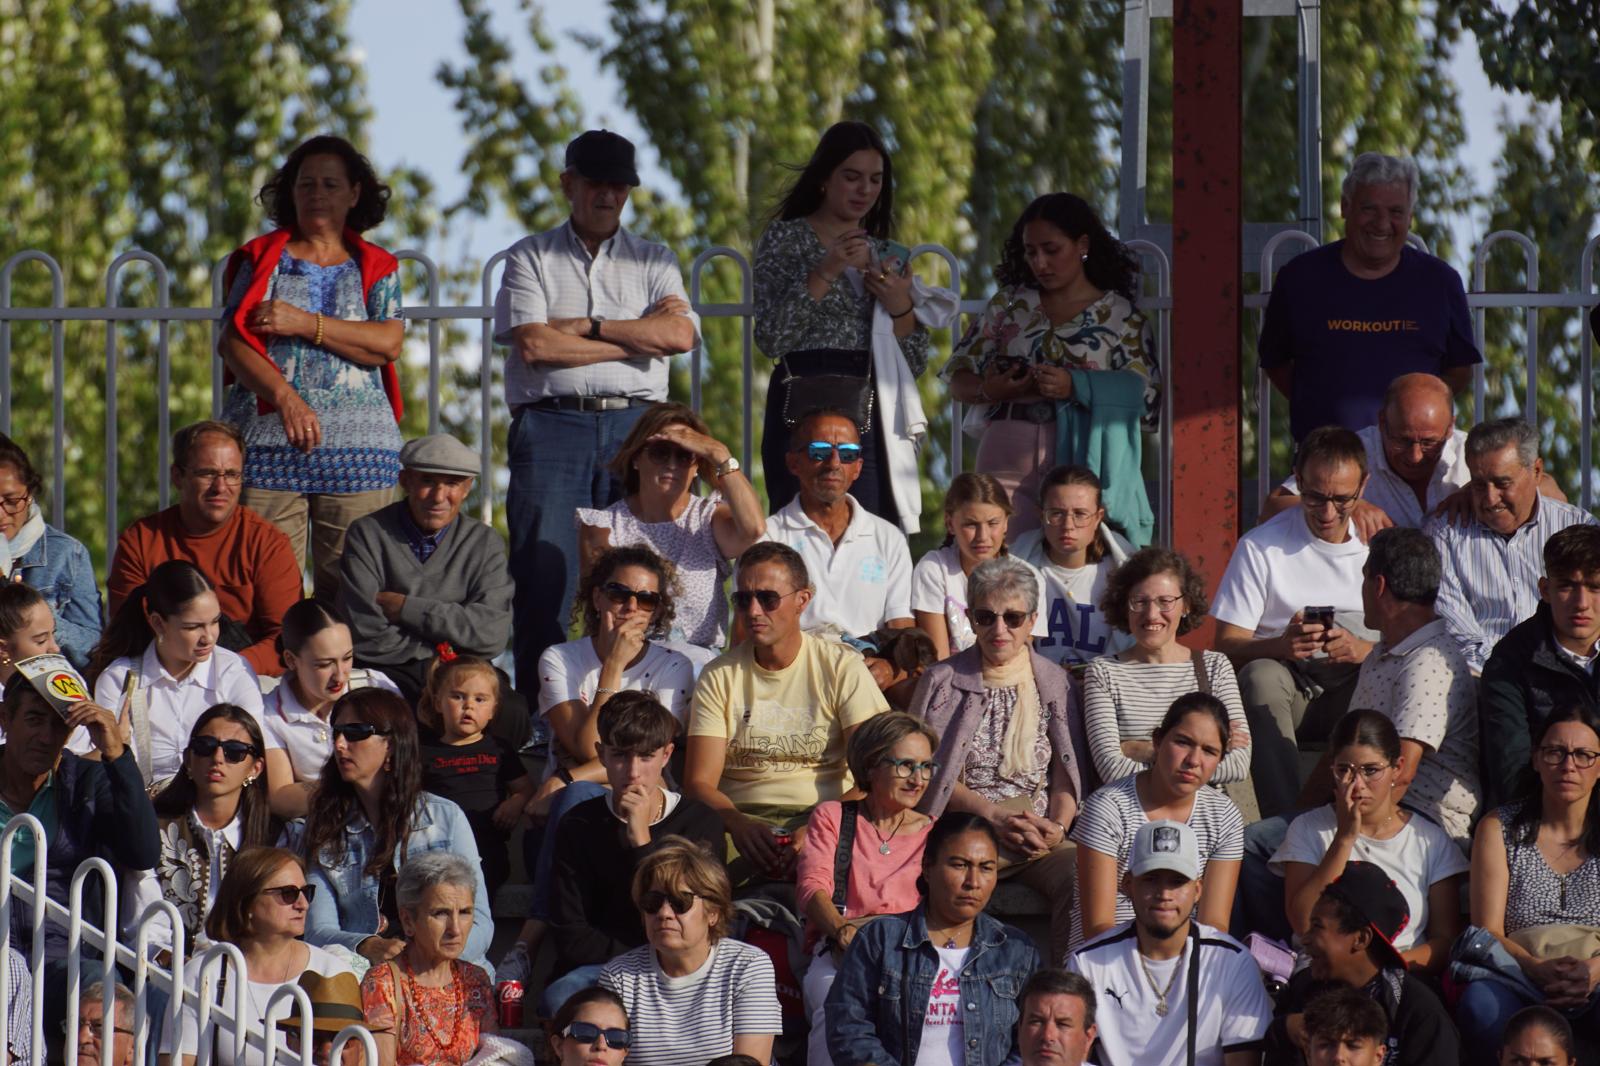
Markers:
(1286, 704)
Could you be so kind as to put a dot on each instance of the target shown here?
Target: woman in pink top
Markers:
(891, 759)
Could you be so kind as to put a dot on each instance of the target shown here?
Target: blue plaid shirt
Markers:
(423, 545)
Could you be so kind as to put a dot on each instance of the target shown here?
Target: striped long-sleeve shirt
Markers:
(1126, 701)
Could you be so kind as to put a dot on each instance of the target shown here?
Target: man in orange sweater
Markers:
(249, 561)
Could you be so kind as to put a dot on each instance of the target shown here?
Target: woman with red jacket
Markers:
(311, 336)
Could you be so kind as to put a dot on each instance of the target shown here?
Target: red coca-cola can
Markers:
(508, 1004)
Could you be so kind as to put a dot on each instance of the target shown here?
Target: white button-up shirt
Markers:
(862, 582)
(1391, 493)
(304, 734)
(551, 275)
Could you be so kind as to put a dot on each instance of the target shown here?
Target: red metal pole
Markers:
(1207, 229)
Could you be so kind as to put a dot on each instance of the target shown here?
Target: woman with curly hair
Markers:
(310, 339)
(1065, 305)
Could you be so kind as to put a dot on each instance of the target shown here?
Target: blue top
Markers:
(58, 568)
(1348, 337)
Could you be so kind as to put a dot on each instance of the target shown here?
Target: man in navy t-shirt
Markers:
(1346, 319)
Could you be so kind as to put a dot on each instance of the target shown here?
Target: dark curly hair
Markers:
(1148, 562)
(606, 567)
(277, 195)
(839, 142)
(1110, 266)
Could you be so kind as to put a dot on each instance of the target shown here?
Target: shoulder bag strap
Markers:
(139, 721)
(401, 1004)
(841, 854)
(1194, 986)
(1202, 679)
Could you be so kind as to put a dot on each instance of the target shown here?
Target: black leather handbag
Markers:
(846, 393)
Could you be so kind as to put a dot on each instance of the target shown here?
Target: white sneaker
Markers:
(516, 966)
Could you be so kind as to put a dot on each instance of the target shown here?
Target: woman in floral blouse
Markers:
(1065, 304)
(818, 282)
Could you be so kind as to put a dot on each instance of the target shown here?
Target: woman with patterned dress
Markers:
(311, 336)
(1065, 304)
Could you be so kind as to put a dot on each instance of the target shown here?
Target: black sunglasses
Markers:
(651, 901)
(819, 451)
(985, 618)
(287, 894)
(665, 453)
(234, 751)
(767, 598)
(588, 1033)
(619, 594)
(356, 732)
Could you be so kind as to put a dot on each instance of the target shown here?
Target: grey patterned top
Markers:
(789, 320)
(982, 773)
(1536, 894)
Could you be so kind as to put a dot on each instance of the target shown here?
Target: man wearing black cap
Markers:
(1351, 942)
(591, 315)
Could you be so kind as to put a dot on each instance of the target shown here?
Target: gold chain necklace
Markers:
(1162, 994)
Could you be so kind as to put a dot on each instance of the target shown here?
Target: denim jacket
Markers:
(58, 568)
(345, 908)
(878, 1000)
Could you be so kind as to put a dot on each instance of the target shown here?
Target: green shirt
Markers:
(43, 808)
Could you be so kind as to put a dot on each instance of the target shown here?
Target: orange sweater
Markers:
(248, 560)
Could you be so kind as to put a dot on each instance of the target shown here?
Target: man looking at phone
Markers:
(1296, 673)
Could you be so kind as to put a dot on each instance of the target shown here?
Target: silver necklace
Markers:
(883, 844)
(1161, 994)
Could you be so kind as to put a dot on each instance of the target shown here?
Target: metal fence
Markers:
(196, 984)
(1157, 304)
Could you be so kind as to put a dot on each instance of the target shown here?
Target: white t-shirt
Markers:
(185, 1040)
(939, 587)
(1232, 1011)
(1076, 628)
(1281, 567)
(303, 735)
(859, 583)
(943, 1034)
(571, 671)
(1416, 858)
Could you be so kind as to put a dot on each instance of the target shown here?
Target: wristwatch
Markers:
(730, 465)
(594, 327)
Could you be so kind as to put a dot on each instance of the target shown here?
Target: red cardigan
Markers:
(263, 253)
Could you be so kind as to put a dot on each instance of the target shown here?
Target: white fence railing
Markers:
(1157, 305)
(161, 918)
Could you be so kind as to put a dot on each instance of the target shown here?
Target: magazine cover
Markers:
(56, 679)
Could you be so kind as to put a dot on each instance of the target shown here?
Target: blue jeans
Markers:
(1258, 903)
(1486, 1006)
(566, 986)
(541, 857)
(557, 462)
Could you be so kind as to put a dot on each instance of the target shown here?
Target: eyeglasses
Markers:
(619, 594)
(819, 451)
(93, 1025)
(1317, 501)
(356, 732)
(1555, 755)
(287, 894)
(651, 901)
(1057, 517)
(911, 768)
(767, 598)
(1426, 444)
(1344, 771)
(230, 478)
(15, 504)
(588, 1033)
(665, 453)
(1140, 604)
(983, 618)
(234, 751)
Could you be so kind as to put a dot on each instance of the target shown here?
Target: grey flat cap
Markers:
(439, 453)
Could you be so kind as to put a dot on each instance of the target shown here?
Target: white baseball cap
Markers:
(1165, 845)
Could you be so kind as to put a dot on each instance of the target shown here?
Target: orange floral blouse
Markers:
(436, 1025)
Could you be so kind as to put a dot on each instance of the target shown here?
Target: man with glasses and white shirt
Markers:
(1170, 989)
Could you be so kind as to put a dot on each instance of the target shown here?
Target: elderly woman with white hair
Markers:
(1012, 745)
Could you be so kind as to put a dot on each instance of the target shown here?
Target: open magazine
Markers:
(56, 679)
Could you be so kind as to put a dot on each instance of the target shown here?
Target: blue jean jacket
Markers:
(59, 569)
(345, 908)
(876, 1006)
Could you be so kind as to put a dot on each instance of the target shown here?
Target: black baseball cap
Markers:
(601, 155)
(1373, 894)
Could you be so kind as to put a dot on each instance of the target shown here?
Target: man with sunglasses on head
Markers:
(860, 565)
(771, 718)
(1296, 672)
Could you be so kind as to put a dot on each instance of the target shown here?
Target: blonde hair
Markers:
(440, 674)
(972, 487)
(681, 863)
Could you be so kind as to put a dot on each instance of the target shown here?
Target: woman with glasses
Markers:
(426, 1006)
(1156, 597)
(369, 817)
(1364, 822)
(261, 909)
(692, 992)
(44, 558)
(1011, 747)
(879, 852)
(590, 1029)
(1536, 887)
(657, 464)
(213, 809)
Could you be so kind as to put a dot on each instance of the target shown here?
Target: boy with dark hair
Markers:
(601, 841)
(1345, 1028)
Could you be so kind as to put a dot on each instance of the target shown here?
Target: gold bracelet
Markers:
(317, 340)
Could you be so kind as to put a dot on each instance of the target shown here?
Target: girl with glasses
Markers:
(590, 1029)
(1364, 822)
(261, 908)
(1536, 887)
(369, 817)
(657, 465)
(692, 992)
(891, 759)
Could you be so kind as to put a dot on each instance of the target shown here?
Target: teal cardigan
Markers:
(1098, 427)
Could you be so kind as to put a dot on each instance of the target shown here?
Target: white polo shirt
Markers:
(304, 734)
(174, 705)
(1232, 1011)
(861, 582)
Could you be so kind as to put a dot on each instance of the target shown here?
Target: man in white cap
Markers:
(1172, 990)
(419, 578)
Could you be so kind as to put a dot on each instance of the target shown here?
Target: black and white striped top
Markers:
(1126, 701)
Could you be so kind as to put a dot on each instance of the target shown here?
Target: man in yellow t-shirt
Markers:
(771, 717)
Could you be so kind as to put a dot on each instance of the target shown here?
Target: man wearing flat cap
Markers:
(418, 574)
(591, 315)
